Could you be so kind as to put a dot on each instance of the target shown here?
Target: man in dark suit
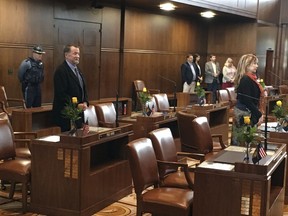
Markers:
(189, 75)
(68, 83)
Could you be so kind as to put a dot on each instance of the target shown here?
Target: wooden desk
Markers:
(185, 99)
(79, 175)
(142, 125)
(38, 119)
(218, 118)
(281, 138)
(226, 186)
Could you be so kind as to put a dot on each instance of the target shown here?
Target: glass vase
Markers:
(144, 113)
(246, 158)
(73, 128)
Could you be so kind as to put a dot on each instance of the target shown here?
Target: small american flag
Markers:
(258, 154)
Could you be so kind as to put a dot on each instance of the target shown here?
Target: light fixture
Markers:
(167, 6)
(207, 14)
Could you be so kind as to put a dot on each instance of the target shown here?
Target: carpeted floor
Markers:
(124, 207)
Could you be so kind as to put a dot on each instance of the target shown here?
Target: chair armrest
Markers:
(3, 107)
(22, 101)
(184, 167)
(25, 133)
(220, 137)
(197, 156)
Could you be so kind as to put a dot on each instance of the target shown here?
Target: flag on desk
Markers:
(258, 154)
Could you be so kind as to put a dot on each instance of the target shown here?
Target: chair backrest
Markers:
(106, 113)
(162, 102)
(90, 116)
(200, 135)
(223, 95)
(232, 95)
(164, 147)
(184, 119)
(7, 145)
(283, 89)
(143, 164)
(139, 85)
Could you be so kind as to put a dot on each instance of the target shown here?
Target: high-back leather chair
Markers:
(283, 89)
(224, 98)
(166, 201)
(232, 95)
(106, 114)
(90, 116)
(184, 119)
(168, 157)
(199, 138)
(5, 101)
(13, 169)
(162, 102)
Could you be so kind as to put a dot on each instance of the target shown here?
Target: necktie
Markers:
(80, 81)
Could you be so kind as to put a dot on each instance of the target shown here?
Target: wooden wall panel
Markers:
(268, 11)
(110, 74)
(230, 40)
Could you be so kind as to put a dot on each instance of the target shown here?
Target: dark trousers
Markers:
(32, 96)
(213, 87)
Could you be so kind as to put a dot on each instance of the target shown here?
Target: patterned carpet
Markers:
(124, 207)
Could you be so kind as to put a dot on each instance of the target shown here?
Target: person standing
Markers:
(69, 82)
(229, 72)
(250, 93)
(189, 75)
(196, 60)
(31, 75)
(212, 72)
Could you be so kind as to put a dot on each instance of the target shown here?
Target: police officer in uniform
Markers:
(31, 74)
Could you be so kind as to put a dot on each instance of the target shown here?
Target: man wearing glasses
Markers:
(31, 74)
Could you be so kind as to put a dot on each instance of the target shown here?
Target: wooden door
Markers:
(87, 35)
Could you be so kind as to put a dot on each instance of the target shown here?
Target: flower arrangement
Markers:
(246, 135)
(144, 96)
(71, 111)
(279, 110)
(199, 90)
(261, 81)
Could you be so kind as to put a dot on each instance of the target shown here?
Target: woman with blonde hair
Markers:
(229, 72)
(250, 94)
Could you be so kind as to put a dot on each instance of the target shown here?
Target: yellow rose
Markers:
(198, 83)
(74, 100)
(144, 89)
(246, 119)
(279, 103)
(261, 80)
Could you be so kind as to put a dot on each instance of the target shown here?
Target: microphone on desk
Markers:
(116, 107)
(175, 89)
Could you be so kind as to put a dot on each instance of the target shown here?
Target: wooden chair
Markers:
(22, 139)
(13, 169)
(5, 106)
(162, 102)
(195, 136)
(151, 198)
(138, 87)
(106, 114)
(169, 160)
(90, 116)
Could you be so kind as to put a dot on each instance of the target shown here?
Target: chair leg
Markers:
(24, 196)
(12, 190)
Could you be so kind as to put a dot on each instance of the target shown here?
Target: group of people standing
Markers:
(215, 78)
(250, 94)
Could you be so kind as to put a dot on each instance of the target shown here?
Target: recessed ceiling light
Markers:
(207, 14)
(167, 6)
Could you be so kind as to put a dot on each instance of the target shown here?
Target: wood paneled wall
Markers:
(154, 44)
